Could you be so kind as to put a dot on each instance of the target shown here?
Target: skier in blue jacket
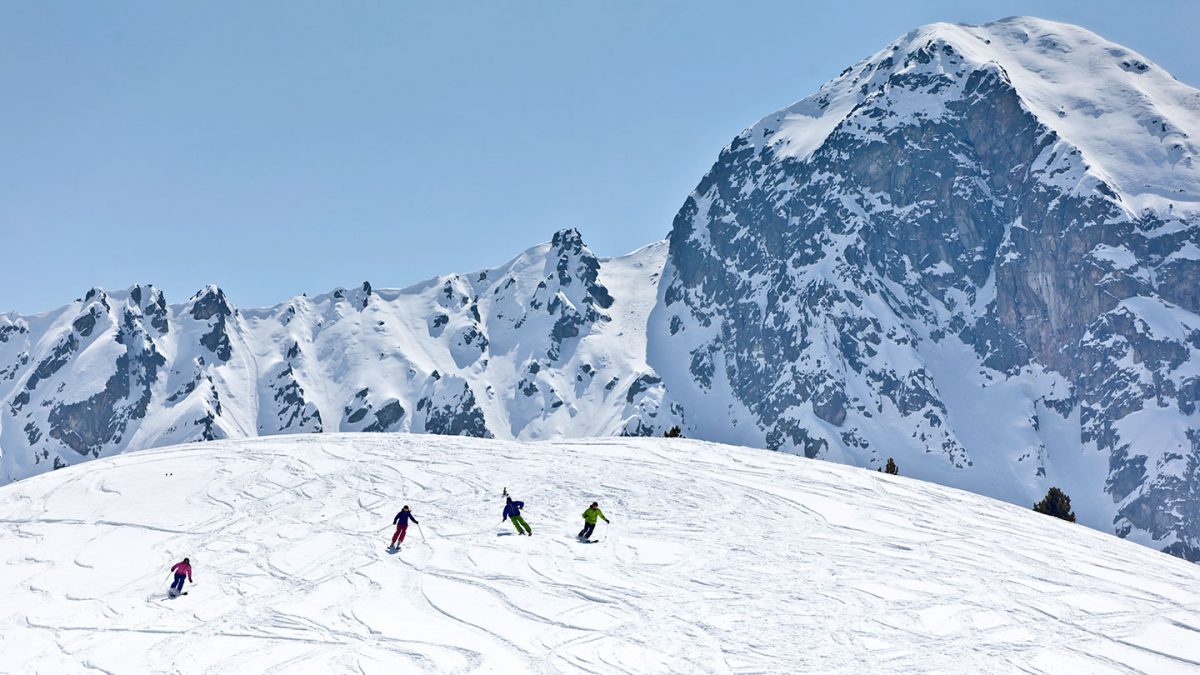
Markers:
(512, 511)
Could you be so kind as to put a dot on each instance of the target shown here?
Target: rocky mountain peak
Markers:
(208, 302)
(954, 198)
(576, 262)
(210, 305)
(152, 304)
(567, 240)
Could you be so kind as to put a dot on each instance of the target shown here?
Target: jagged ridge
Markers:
(536, 347)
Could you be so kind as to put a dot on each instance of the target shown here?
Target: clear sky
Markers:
(276, 148)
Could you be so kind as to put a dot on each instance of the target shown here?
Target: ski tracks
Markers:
(717, 560)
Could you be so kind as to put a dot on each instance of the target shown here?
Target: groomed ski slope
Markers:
(719, 559)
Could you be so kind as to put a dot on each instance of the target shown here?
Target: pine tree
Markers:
(892, 468)
(1056, 503)
(673, 432)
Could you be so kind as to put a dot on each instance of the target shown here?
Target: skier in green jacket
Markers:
(589, 521)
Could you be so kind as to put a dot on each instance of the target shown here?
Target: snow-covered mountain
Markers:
(718, 559)
(976, 252)
(538, 347)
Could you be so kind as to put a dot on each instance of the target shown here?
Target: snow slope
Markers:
(719, 559)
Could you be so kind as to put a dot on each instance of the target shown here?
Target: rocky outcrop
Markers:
(449, 409)
(211, 306)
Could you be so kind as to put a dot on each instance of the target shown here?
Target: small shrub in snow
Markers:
(1056, 503)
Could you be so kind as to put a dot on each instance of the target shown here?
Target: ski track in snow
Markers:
(719, 559)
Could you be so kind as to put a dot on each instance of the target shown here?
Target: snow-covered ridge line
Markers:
(538, 346)
(389, 294)
(718, 559)
(1136, 126)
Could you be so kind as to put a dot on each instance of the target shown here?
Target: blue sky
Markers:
(276, 148)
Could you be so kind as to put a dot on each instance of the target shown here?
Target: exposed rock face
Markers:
(567, 295)
(294, 413)
(450, 409)
(113, 336)
(924, 205)
(211, 305)
(362, 414)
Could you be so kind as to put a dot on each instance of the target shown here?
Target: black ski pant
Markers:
(587, 530)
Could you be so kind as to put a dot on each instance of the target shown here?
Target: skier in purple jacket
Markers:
(401, 523)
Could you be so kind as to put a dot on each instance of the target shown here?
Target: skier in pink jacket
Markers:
(182, 570)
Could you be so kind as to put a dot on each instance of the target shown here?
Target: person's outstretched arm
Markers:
(410, 517)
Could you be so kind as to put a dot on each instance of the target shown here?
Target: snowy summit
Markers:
(717, 559)
(1136, 126)
(978, 252)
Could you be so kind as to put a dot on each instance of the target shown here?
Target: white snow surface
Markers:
(1134, 124)
(718, 559)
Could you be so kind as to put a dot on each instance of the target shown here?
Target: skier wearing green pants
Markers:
(512, 511)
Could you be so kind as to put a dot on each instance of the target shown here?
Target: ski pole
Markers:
(421, 531)
(170, 573)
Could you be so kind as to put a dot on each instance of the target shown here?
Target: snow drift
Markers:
(719, 559)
